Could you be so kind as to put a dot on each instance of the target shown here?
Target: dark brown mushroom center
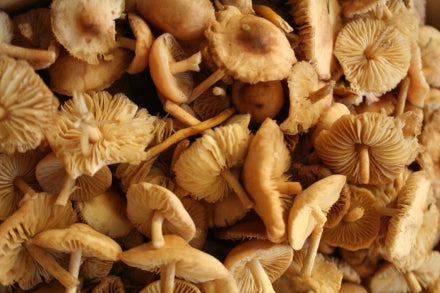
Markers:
(253, 36)
(89, 23)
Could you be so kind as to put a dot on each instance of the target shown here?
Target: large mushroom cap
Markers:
(27, 107)
(249, 48)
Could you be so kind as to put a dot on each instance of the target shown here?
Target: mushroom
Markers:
(375, 62)
(225, 212)
(249, 227)
(155, 210)
(340, 208)
(27, 107)
(352, 8)
(265, 178)
(22, 261)
(205, 168)
(359, 146)
(256, 264)
(210, 103)
(428, 41)
(109, 284)
(79, 240)
(180, 286)
(176, 258)
(269, 14)
(86, 28)
(418, 90)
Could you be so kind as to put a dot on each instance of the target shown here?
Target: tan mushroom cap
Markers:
(110, 283)
(249, 227)
(429, 40)
(92, 268)
(339, 209)
(86, 28)
(256, 264)
(225, 212)
(199, 214)
(351, 8)
(418, 90)
(248, 47)
(27, 107)
(152, 207)
(180, 286)
(369, 61)
(387, 277)
(191, 264)
(359, 226)
(264, 177)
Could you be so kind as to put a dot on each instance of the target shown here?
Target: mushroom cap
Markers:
(86, 28)
(164, 51)
(32, 29)
(92, 268)
(145, 199)
(36, 213)
(225, 212)
(358, 234)
(352, 8)
(50, 169)
(79, 236)
(388, 149)
(180, 286)
(27, 107)
(274, 258)
(199, 214)
(267, 161)
(340, 208)
(199, 167)
(248, 47)
(418, 90)
(6, 27)
(428, 40)
(110, 283)
(191, 264)
(375, 61)
(125, 130)
(322, 195)
(388, 278)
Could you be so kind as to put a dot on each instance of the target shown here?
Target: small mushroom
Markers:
(110, 283)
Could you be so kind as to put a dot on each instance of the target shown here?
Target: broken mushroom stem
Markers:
(267, 13)
(189, 64)
(288, 187)
(22, 185)
(402, 96)
(206, 84)
(322, 92)
(386, 211)
(28, 54)
(74, 266)
(156, 230)
(167, 275)
(235, 184)
(353, 214)
(413, 284)
(260, 276)
(364, 163)
(67, 189)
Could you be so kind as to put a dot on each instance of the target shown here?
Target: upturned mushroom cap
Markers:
(339, 209)
(248, 47)
(24, 100)
(191, 264)
(86, 28)
(252, 259)
(144, 200)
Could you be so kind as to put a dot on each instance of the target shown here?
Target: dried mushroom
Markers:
(428, 41)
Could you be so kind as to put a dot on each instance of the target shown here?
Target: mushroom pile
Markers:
(219, 146)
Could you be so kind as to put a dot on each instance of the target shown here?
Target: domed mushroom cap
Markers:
(248, 47)
(86, 28)
(375, 61)
(27, 107)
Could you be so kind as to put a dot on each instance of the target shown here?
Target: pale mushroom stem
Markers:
(288, 187)
(74, 266)
(126, 43)
(187, 132)
(260, 276)
(31, 55)
(90, 134)
(364, 164)
(167, 275)
(413, 284)
(66, 190)
(189, 64)
(206, 84)
(22, 185)
(179, 113)
(314, 240)
(353, 215)
(401, 98)
(51, 266)
(156, 230)
(235, 184)
(385, 211)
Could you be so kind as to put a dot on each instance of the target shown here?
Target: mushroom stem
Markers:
(260, 276)
(187, 132)
(413, 284)
(364, 164)
(206, 84)
(179, 113)
(126, 43)
(66, 190)
(31, 55)
(267, 12)
(401, 98)
(156, 230)
(50, 265)
(74, 265)
(235, 184)
(322, 92)
(189, 64)
(22, 185)
(315, 238)
(90, 134)
(353, 215)
(385, 211)
(167, 275)
(288, 187)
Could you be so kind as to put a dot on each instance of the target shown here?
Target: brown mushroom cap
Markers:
(27, 107)
(339, 209)
(248, 47)
(32, 29)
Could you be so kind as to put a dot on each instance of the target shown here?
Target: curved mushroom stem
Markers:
(66, 190)
(264, 284)
(206, 84)
(364, 164)
(187, 132)
(156, 230)
(267, 12)
(31, 55)
(50, 265)
(22, 185)
(189, 64)
(385, 211)
(167, 275)
(288, 187)
(413, 284)
(74, 265)
(315, 238)
(401, 98)
(235, 184)
(179, 113)
(126, 43)
(353, 215)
